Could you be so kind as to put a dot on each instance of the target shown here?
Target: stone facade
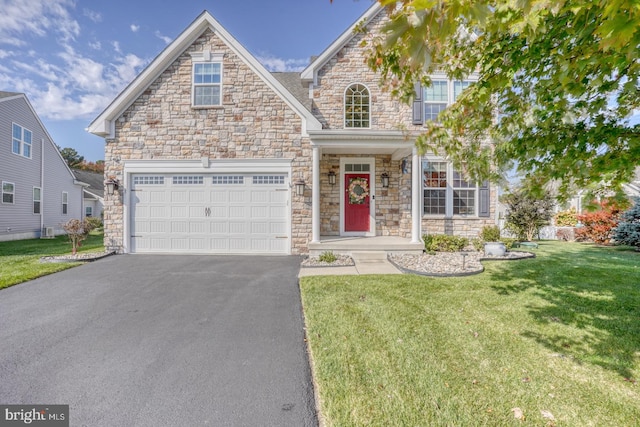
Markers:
(253, 122)
(393, 205)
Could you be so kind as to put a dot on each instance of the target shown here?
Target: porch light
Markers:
(385, 180)
(112, 185)
(299, 184)
(332, 177)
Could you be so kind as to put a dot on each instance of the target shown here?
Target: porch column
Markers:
(315, 196)
(416, 187)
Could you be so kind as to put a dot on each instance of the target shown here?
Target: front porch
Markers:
(348, 245)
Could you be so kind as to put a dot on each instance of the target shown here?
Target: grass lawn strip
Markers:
(20, 259)
(557, 337)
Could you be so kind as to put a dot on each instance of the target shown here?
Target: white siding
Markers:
(18, 220)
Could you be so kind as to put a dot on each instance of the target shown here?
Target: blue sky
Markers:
(72, 57)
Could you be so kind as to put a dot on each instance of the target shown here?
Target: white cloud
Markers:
(5, 53)
(116, 46)
(134, 28)
(94, 16)
(272, 63)
(95, 45)
(36, 17)
(165, 39)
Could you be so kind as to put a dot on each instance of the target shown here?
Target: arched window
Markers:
(356, 106)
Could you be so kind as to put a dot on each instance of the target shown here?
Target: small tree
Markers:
(598, 226)
(628, 230)
(77, 230)
(527, 213)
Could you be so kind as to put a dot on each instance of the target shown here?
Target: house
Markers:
(39, 192)
(93, 194)
(215, 154)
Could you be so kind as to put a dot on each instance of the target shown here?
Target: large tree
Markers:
(558, 83)
(71, 156)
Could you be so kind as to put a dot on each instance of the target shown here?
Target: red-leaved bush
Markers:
(598, 226)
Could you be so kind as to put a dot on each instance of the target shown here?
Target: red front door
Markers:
(356, 202)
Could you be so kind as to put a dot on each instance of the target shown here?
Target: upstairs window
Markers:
(436, 99)
(207, 79)
(441, 94)
(21, 141)
(357, 107)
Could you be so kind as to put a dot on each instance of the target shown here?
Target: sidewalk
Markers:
(364, 264)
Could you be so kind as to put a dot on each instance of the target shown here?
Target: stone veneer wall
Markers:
(253, 122)
(349, 66)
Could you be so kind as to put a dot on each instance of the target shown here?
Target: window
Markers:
(148, 180)
(227, 179)
(37, 198)
(356, 107)
(88, 211)
(188, 180)
(436, 99)
(8, 192)
(439, 95)
(21, 141)
(207, 84)
(65, 202)
(446, 192)
(269, 179)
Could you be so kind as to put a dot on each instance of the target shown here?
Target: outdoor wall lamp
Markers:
(332, 177)
(385, 180)
(299, 184)
(112, 185)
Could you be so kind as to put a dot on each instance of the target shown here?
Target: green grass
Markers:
(20, 259)
(558, 333)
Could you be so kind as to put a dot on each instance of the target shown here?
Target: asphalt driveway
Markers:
(137, 340)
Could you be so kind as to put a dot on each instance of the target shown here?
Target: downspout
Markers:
(42, 204)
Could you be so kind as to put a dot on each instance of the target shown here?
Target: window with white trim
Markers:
(357, 107)
(441, 94)
(37, 199)
(8, 192)
(446, 191)
(88, 211)
(65, 202)
(21, 141)
(206, 79)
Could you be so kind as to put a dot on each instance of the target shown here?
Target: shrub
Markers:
(328, 257)
(508, 242)
(568, 218)
(568, 234)
(598, 226)
(444, 243)
(478, 244)
(77, 230)
(527, 213)
(95, 222)
(490, 233)
(628, 230)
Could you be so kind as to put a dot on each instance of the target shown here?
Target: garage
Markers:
(218, 213)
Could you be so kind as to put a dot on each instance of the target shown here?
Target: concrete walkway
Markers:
(365, 263)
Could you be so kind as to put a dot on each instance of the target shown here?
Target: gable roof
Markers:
(5, 96)
(94, 179)
(294, 84)
(310, 73)
(104, 124)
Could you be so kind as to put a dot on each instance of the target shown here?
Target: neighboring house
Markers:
(39, 192)
(215, 154)
(93, 194)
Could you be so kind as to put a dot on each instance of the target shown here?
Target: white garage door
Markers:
(230, 213)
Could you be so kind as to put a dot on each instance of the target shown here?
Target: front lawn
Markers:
(20, 259)
(550, 341)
